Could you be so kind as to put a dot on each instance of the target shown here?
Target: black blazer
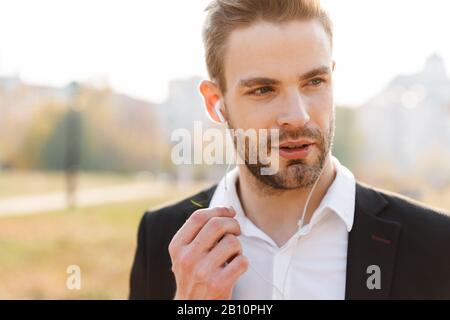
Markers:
(408, 241)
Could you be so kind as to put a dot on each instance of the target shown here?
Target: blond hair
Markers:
(225, 16)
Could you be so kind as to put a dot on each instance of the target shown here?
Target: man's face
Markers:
(279, 76)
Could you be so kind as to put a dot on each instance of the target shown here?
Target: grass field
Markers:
(35, 250)
(439, 198)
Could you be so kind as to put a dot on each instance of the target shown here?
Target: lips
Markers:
(297, 149)
(293, 144)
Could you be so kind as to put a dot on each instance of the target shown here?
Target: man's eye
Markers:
(317, 82)
(261, 91)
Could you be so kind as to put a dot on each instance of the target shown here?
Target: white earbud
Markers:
(218, 112)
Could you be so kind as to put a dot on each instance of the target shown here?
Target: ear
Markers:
(211, 94)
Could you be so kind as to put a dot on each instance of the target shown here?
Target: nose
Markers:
(294, 112)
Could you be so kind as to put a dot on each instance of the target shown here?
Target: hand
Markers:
(207, 256)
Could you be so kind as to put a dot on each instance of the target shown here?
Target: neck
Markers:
(277, 213)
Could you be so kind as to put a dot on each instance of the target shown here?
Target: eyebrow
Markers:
(262, 81)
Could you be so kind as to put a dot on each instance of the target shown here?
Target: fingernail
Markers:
(232, 209)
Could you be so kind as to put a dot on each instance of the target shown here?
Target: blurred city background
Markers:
(91, 91)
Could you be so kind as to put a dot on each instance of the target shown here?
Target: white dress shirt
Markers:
(312, 263)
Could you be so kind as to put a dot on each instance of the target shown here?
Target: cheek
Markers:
(259, 116)
(321, 109)
(259, 119)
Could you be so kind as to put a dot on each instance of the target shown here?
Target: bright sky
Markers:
(139, 45)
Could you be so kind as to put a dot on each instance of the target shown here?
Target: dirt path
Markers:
(38, 203)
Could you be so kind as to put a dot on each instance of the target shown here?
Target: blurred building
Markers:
(183, 106)
(406, 127)
(9, 83)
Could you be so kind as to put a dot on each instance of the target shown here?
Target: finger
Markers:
(233, 270)
(195, 223)
(213, 231)
(225, 250)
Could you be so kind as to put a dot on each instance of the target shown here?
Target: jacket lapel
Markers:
(199, 201)
(372, 242)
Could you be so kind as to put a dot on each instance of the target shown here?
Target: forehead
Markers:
(280, 51)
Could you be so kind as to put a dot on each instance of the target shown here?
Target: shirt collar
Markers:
(340, 198)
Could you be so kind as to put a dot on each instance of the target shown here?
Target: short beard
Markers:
(297, 173)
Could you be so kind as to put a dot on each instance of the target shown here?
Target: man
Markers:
(310, 231)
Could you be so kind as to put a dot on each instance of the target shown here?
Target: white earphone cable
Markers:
(305, 208)
(281, 292)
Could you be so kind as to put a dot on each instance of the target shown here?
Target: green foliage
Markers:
(105, 132)
(347, 140)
